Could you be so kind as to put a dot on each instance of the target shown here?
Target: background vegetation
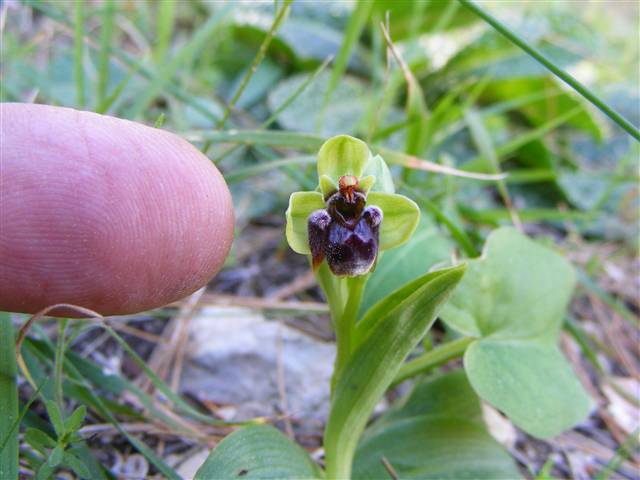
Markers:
(258, 87)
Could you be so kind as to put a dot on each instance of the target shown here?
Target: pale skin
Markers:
(104, 213)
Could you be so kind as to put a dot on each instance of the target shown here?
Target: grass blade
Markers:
(484, 144)
(185, 54)
(553, 68)
(241, 174)
(354, 28)
(166, 14)
(537, 133)
(256, 60)
(106, 39)
(416, 108)
(8, 401)
(78, 56)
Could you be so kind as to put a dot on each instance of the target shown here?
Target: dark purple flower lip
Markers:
(347, 232)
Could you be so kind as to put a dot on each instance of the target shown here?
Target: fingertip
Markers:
(105, 213)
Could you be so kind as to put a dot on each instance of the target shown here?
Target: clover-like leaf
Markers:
(400, 218)
(342, 155)
(514, 298)
(517, 289)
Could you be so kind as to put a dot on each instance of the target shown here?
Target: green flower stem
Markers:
(345, 324)
(433, 358)
(564, 76)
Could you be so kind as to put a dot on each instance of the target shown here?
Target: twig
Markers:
(387, 466)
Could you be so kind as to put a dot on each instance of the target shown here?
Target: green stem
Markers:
(345, 323)
(433, 358)
(59, 362)
(564, 76)
(8, 401)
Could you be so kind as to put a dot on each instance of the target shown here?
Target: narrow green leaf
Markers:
(55, 415)
(39, 440)
(258, 452)
(45, 471)
(56, 456)
(8, 401)
(384, 338)
(74, 422)
(77, 465)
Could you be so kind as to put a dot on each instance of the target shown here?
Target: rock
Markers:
(233, 360)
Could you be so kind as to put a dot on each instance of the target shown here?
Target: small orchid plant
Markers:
(346, 224)
(504, 314)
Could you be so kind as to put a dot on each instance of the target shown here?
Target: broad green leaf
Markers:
(517, 289)
(301, 205)
(432, 447)
(530, 382)
(514, 298)
(384, 338)
(400, 218)
(342, 155)
(258, 452)
(398, 266)
(436, 432)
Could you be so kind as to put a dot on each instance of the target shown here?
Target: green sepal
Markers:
(342, 155)
(400, 218)
(301, 205)
(377, 168)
